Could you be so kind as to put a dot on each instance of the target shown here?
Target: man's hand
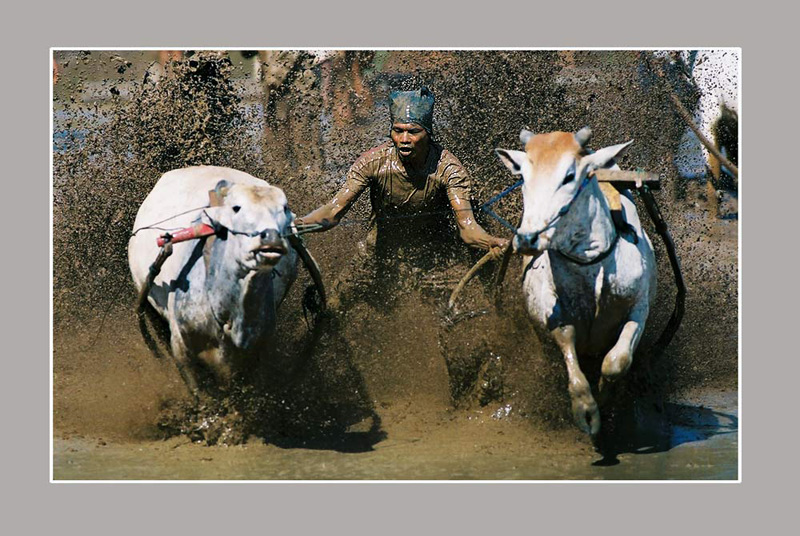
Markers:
(497, 253)
(471, 233)
(498, 248)
(498, 242)
(328, 215)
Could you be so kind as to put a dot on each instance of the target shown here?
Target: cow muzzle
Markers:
(271, 248)
(528, 243)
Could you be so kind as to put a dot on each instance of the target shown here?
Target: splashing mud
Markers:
(394, 357)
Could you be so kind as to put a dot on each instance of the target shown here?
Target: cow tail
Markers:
(145, 310)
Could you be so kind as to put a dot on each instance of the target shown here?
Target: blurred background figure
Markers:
(345, 96)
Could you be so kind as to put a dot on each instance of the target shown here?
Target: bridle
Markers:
(564, 210)
(222, 229)
(586, 180)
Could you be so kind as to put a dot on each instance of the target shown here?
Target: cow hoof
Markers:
(586, 414)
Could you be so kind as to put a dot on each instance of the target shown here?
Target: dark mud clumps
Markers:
(300, 126)
(214, 422)
(191, 116)
(321, 404)
(111, 154)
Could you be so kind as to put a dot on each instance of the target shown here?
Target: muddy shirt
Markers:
(405, 204)
(412, 227)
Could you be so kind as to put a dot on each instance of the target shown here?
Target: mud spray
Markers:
(299, 121)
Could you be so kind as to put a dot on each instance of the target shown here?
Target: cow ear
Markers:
(217, 195)
(512, 159)
(221, 189)
(606, 155)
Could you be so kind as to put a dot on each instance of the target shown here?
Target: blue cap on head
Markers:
(412, 107)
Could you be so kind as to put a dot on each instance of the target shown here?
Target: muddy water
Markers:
(697, 439)
(393, 388)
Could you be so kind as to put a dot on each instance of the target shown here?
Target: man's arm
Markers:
(458, 192)
(331, 213)
(469, 229)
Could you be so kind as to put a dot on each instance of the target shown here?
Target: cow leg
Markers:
(584, 407)
(618, 360)
(180, 357)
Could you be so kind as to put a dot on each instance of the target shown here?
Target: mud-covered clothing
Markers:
(405, 207)
(412, 225)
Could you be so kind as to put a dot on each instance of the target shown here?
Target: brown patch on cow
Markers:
(546, 150)
(264, 195)
(611, 194)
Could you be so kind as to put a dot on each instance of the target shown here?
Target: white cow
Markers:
(218, 294)
(586, 284)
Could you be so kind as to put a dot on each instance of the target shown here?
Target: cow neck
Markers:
(236, 297)
(586, 234)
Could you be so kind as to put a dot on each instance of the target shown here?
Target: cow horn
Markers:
(524, 136)
(583, 135)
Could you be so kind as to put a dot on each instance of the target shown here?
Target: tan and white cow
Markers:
(585, 283)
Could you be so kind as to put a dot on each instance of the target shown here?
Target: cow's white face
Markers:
(256, 220)
(553, 166)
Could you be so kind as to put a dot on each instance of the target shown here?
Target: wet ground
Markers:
(109, 416)
(695, 439)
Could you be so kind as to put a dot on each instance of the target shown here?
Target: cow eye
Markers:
(569, 178)
(237, 208)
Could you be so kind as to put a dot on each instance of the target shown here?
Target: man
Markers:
(408, 178)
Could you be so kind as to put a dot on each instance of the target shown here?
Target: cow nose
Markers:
(271, 241)
(525, 241)
(270, 236)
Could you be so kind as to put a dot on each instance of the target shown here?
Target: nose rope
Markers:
(217, 225)
(486, 207)
(154, 225)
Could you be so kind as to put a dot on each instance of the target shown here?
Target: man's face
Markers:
(411, 141)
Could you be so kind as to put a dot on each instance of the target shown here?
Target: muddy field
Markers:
(394, 388)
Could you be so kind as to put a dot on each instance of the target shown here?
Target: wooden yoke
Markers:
(627, 180)
(612, 181)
